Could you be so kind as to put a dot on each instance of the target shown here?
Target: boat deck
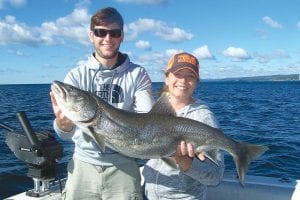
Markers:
(256, 188)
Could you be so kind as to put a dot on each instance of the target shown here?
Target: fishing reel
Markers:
(39, 150)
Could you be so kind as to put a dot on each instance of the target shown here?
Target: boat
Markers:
(40, 151)
(255, 188)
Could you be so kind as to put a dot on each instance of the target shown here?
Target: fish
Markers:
(155, 134)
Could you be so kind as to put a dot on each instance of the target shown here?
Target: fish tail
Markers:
(247, 153)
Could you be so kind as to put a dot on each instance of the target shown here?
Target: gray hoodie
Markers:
(127, 86)
(164, 182)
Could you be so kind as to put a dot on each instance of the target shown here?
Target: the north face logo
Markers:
(107, 91)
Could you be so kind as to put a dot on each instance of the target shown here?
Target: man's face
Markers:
(107, 41)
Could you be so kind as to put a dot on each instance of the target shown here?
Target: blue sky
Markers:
(40, 41)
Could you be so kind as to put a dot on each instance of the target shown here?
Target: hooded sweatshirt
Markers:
(126, 86)
(163, 182)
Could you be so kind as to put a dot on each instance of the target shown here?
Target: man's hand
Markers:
(61, 120)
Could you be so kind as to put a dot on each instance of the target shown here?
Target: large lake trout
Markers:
(147, 135)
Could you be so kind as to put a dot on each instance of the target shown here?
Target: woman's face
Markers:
(182, 83)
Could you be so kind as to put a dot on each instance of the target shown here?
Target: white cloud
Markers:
(13, 32)
(298, 24)
(171, 52)
(17, 3)
(73, 27)
(174, 34)
(147, 2)
(141, 44)
(159, 28)
(13, 3)
(272, 23)
(236, 53)
(18, 53)
(203, 53)
(155, 62)
(83, 3)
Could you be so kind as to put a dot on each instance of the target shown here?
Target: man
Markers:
(93, 174)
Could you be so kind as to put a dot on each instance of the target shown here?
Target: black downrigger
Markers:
(39, 150)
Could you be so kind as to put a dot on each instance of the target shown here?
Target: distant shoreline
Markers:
(272, 78)
(289, 77)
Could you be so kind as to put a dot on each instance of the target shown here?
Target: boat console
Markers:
(39, 150)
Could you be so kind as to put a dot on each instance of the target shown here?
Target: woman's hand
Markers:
(185, 154)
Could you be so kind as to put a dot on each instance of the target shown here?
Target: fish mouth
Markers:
(58, 90)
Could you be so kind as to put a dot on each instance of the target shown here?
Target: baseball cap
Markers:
(183, 61)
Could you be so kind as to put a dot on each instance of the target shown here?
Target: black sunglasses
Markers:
(100, 32)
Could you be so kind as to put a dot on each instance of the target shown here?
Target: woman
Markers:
(193, 172)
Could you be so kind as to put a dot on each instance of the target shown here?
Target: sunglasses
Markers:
(114, 33)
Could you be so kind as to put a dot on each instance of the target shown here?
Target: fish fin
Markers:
(99, 138)
(100, 141)
(86, 137)
(170, 162)
(247, 153)
(212, 155)
(163, 106)
(89, 134)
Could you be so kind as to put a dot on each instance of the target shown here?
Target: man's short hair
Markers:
(106, 16)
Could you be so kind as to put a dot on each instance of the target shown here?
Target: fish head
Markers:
(78, 105)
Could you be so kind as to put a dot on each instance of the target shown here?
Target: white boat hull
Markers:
(256, 188)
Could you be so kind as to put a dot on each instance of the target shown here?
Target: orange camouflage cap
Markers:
(183, 61)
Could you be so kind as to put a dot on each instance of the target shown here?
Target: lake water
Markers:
(257, 112)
